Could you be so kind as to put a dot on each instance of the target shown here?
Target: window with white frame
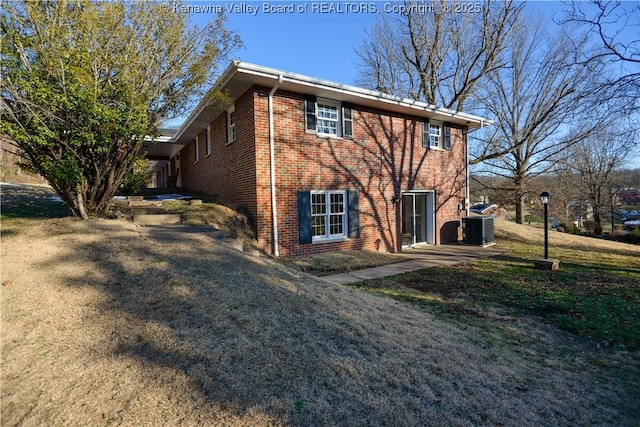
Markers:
(436, 134)
(328, 118)
(208, 140)
(328, 215)
(231, 124)
(196, 151)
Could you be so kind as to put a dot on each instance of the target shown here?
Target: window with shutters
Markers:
(328, 118)
(328, 214)
(436, 135)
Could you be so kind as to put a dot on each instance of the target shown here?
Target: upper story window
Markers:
(231, 124)
(328, 118)
(436, 134)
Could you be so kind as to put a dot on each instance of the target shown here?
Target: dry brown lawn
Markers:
(326, 263)
(107, 323)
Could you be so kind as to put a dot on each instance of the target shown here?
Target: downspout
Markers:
(272, 165)
(467, 191)
(468, 184)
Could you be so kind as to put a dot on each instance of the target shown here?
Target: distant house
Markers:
(580, 210)
(629, 196)
(632, 220)
(322, 166)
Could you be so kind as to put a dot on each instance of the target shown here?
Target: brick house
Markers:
(322, 166)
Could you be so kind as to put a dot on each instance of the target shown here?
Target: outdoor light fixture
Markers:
(395, 200)
(544, 198)
(546, 263)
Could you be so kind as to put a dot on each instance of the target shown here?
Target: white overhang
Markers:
(162, 147)
(240, 76)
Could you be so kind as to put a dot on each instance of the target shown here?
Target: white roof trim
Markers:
(418, 108)
(374, 95)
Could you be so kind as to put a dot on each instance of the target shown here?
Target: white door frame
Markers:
(430, 220)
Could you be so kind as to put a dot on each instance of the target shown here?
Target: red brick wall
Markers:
(229, 171)
(369, 163)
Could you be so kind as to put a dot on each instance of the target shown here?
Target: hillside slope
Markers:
(105, 322)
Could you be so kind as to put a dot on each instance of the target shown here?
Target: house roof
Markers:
(163, 146)
(240, 76)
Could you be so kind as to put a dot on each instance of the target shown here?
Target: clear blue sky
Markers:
(309, 40)
(315, 38)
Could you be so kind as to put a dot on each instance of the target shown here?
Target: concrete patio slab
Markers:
(419, 258)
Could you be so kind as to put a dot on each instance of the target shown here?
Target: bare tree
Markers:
(613, 24)
(596, 159)
(542, 105)
(437, 52)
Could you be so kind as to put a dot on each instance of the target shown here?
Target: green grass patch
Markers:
(24, 205)
(596, 292)
(35, 207)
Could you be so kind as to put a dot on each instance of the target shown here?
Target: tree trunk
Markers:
(81, 209)
(597, 225)
(613, 218)
(519, 209)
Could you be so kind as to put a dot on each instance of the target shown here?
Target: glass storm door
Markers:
(418, 218)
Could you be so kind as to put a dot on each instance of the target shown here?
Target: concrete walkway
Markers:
(425, 257)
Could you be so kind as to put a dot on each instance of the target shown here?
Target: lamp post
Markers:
(544, 199)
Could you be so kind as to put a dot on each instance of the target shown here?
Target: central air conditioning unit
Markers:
(478, 230)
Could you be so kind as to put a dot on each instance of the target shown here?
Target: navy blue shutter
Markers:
(425, 133)
(353, 214)
(310, 113)
(347, 120)
(304, 216)
(447, 136)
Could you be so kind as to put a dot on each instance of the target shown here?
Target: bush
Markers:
(138, 178)
(633, 238)
(589, 226)
(569, 227)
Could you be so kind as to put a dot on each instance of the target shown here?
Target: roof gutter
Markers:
(272, 166)
(344, 89)
(220, 83)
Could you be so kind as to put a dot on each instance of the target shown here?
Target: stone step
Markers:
(145, 203)
(156, 219)
(148, 211)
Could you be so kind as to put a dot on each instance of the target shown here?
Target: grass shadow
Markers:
(21, 201)
(241, 335)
